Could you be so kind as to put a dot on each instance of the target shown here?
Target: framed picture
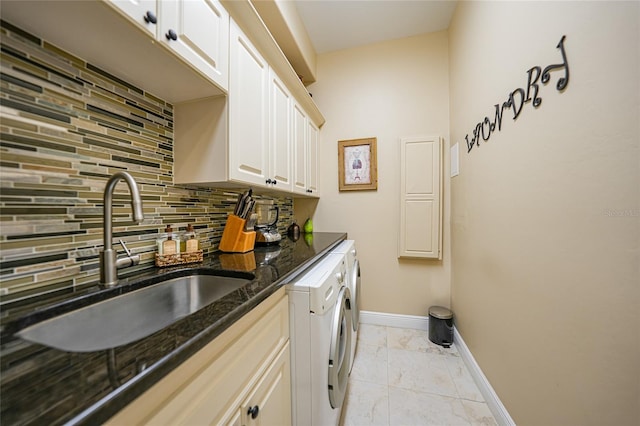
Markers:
(357, 165)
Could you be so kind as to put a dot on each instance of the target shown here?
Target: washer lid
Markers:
(440, 312)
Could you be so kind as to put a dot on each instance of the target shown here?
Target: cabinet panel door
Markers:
(202, 28)
(300, 150)
(419, 234)
(313, 162)
(248, 111)
(136, 10)
(280, 132)
(210, 387)
(271, 398)
(420, 198)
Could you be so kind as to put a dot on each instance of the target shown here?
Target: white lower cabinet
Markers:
(240, 378)
(270, 401)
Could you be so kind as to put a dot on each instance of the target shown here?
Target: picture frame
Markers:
(357, 165)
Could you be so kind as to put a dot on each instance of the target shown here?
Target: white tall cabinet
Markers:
(420, 197)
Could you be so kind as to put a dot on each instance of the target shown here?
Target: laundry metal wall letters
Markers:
(519, 97)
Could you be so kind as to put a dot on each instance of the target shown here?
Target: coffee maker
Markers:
(266, 225)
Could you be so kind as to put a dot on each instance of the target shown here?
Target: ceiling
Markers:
(340, 24)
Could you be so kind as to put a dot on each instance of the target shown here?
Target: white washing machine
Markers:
(348, 248)
(320, 325)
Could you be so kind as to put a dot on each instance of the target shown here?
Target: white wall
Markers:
(389, 90)
(546, 214)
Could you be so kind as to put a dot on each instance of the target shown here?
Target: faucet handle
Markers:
(125, 248)
(130, 260)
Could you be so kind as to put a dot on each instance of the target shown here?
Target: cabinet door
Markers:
(420, 198)
(236, 420)
(300, 137)
(279, 133)
(313, 162)
(270, 400)
(202, 31)
(211, 386)
(137, 10)
(248, 111)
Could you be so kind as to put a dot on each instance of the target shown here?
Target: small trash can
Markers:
(441, 326)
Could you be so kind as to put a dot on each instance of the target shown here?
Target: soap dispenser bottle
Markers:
(191, 240)
(169, 244)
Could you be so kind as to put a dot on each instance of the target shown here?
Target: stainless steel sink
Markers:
(131, 316)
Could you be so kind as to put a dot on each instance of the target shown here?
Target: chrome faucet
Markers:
(109, 263)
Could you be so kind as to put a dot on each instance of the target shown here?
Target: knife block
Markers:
(234, 238)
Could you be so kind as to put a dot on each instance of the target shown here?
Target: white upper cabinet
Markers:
(300, 140)
(305, 157)
(142, 12)
(248, 111)
(313, 162)
(259, 135)
(198, 31)
(280, 148)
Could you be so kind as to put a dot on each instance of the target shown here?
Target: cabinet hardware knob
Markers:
(253, 411)
(268, 181)
(171, 35)
(274, 181)
(150, 18)
(309, 191)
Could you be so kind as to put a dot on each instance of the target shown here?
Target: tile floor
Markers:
(399, 378)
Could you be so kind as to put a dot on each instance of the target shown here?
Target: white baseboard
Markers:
(422, 323)
(394, 320)
(498, 410)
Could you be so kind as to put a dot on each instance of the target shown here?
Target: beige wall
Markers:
(388, 90)
(545, 216)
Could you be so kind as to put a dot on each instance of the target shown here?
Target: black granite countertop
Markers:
(42, 385)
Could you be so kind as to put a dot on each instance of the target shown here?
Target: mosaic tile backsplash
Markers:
(66, 126)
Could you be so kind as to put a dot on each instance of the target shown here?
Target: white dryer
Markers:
(320, 325)
(348, 249)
